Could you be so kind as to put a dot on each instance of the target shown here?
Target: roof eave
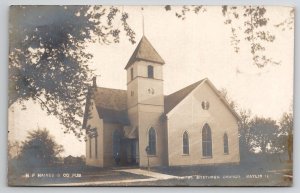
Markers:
(200, 83)
(142, 59)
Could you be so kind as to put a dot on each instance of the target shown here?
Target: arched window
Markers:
(226, 147)
(116, 143)
(152, 141)
(185, 143)
(150, 71)
(206, 141)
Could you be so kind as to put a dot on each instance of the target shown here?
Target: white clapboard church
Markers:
(192, 126)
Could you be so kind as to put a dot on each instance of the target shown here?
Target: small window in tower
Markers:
(131, 93)
(205, 105)
(151, 90)
(131, 73)
(150, 72)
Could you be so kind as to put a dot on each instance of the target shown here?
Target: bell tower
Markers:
(145, 100)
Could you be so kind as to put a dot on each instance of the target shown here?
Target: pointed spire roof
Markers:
(145, 51)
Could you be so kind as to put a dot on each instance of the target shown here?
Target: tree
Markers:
(40, 148)
(231, 102)
(243, 125)
(263, 132)
(286, 123)
(48, 62)
(286, 132)
(251, 30)
(244, 132)
(246, 24)
(13, 149)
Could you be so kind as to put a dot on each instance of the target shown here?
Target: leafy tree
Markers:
(243, 125)
(244, 132)
(40, 148)
(13, 149)
(286, 123)
(182, 13)
(246, 24)
(286, 133)
(262, 134)
(48, 62)
(251, 29)
(231, 102)
(288, 23)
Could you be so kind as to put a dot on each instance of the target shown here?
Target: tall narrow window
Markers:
(185, 142)
(206, 141)
(90, 147)
(96, 146)
(226, 147)
(116, 143)
(152, 141)
(131, 73)
(150, 71)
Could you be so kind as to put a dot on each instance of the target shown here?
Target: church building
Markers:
(192, 126)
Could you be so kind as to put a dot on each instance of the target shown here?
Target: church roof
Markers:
(111, 105)
(145, 51)
(108, 98)
(173, 99)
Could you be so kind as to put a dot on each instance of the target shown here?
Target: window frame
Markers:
(225, 144)
(185, 143)
(150, 71)
(207, 151)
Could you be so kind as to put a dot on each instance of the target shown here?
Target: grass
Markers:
(272, 174)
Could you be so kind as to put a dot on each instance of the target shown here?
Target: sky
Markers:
(195, 48)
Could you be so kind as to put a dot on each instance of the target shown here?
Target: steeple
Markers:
(145, 98)
(145, 51)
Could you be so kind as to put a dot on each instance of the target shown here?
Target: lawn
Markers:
(266, 173)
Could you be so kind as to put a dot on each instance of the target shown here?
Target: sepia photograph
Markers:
(185, 95)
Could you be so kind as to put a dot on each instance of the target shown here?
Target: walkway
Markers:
(103, 183)
(155, 175)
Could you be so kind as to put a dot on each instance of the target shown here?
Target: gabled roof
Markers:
(173, 99)
(145, 51)
(107, 98)
(111, 105)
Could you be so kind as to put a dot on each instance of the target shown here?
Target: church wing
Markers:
(174, 99)
(200, 111)
(111, 105)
